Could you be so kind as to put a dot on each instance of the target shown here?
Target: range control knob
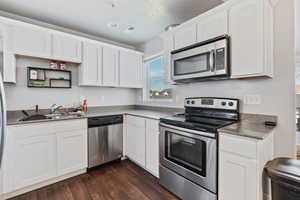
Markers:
(193, 102)
(188, 102)
(231, 104)
(223, 103)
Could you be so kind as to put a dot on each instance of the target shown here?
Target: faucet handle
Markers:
(36, 108)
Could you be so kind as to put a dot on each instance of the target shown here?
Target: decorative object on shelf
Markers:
(33, 74)
(53, 64)
(63, 65)
(48, 78)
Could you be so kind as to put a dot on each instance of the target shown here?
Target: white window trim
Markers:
(146, 97)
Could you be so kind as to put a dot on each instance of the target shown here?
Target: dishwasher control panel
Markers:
(105, 120)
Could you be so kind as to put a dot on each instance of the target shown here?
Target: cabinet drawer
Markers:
(136, 121)
(237, 145)
(45, 128)
(152, 125)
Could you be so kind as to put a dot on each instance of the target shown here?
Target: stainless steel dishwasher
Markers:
(105, 139)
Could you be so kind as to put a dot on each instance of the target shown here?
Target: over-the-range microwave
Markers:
(208, 60)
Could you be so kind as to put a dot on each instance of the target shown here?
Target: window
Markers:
(158, 88)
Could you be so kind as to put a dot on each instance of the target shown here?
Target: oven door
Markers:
(191, 154)
(197, 62)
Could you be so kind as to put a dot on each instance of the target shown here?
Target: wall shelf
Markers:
(48, 78)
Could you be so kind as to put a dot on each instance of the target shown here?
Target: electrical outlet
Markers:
(252, 99)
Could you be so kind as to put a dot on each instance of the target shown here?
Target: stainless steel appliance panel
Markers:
(208, 59)
(182, 187)
(105, 144)
(2, 120)
(206, 174)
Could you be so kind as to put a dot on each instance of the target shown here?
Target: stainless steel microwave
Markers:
(203, 61)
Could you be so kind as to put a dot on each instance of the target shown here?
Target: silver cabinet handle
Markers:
(212, 60)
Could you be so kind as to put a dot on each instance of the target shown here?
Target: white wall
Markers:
(277, 94)
(19, 96)
(297, 22)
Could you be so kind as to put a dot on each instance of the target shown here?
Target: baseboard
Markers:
(42, 184)
(141, 166)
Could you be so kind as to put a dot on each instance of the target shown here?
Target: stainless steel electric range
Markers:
(188, 147)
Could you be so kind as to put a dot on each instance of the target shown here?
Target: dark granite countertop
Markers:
(14, 118)
(251, 125)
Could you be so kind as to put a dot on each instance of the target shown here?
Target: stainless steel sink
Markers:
(35, 117)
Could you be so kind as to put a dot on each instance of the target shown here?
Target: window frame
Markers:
(146, 93)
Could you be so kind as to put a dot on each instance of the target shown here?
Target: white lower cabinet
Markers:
(238, 180)
(40, 152)
(136, 144)
(34, 160)
(152, 146)
(241, 164)
(141, 144)
(72, 152)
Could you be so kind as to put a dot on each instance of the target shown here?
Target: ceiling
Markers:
(148, 17)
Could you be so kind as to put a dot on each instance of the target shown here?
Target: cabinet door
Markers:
(136, 144)
(246, 31)
(72, 151)
(90, 69)
(135, 139)
(7, 57)
(152, 146)
(237, 177)
(130, 69)
(34, 160)
(185, 35)
(66, 48)
(110, 66)
(212, 26)
(31, 41)
(168, 41)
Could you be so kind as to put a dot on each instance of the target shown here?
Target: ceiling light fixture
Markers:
(113, 25)
(129, 29)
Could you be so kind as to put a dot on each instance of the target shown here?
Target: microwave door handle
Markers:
(212, 60)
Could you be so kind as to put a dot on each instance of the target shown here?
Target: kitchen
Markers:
(261, 91)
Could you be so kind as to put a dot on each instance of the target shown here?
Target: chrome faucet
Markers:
(54, 108)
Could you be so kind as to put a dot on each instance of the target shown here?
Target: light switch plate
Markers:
(252, 99)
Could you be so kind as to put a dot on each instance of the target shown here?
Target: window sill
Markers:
(159, 101)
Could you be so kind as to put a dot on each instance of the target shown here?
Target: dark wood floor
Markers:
(116, 181)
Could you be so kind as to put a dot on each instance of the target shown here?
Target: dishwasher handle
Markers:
(104, 121)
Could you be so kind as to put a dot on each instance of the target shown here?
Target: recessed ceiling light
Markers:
(113, 25)
(129, 29)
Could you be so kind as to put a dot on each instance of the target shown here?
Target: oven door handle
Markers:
(200, 133)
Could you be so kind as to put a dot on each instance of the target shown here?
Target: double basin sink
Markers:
(56, 116)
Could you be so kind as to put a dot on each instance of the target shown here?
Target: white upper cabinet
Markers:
(91, 67)
(251, 31)
(130, 69)
(246, 28)
(249, 24)
(110, 67)
(168, 42)
(66, 48)
(185, 35)
(31, 41)
(212, 26)
(8, 59)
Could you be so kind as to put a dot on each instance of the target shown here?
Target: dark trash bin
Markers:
(285, 178)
